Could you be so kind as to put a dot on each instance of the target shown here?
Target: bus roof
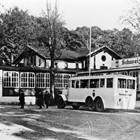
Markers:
(102, 76)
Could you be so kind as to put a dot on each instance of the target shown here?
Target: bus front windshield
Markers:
(126, 83)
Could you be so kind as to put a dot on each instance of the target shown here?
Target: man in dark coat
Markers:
(22, 99)
(40, 100)
(46, 98)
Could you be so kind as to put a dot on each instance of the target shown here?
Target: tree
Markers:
(132, 17)
(73, 40)
(48, 29)
(15, 30)
(123, 42)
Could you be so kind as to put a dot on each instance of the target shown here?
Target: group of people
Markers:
(41, 99)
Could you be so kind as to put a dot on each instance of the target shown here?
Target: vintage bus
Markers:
(100, 92)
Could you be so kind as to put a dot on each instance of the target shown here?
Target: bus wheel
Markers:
(99, 105)
(60, 103)
(90, 104)
(75, 106)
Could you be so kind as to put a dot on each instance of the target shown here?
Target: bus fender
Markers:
(63, 97)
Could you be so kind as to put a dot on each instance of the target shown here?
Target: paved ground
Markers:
(68, 124)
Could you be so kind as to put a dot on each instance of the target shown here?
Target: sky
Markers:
(77, 13)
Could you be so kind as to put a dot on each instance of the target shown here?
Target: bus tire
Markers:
(75, 106)
(90, 104)
(99, 105)
(60, 103)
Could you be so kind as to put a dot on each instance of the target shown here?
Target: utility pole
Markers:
(89, 51)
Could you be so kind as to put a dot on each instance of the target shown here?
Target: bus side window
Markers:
(128, 84)
(84, 84)
(77, 84)
(102, 82)
(121, 83)
(131, 84)
(94, 83)
(109, 83)
(73, 84)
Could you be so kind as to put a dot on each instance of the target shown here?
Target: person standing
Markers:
(22, 99)
(40, 100)
(47, 98)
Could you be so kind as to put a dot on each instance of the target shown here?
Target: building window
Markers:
(103, 58)
(77, 66)
(66, 80)
(39, 62)
(66, 65)
(23, 80)
(48, 63)
(31, 79)
(124, 73)
(42, 80)
(27, 80)
(47, 80)
(11, 79)
(136, 74)
(61, 80)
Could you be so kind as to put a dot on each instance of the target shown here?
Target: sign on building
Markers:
(128, 62)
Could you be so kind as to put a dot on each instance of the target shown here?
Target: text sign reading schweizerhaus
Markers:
(126, 62)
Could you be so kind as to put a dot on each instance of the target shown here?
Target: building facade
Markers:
(31, 70)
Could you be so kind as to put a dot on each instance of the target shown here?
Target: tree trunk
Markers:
(52, 79)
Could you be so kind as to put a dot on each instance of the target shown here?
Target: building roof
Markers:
(64, 54)
(106, 49)
(61, 54)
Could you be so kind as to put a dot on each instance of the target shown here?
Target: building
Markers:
(31, 70)
(100, 58)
